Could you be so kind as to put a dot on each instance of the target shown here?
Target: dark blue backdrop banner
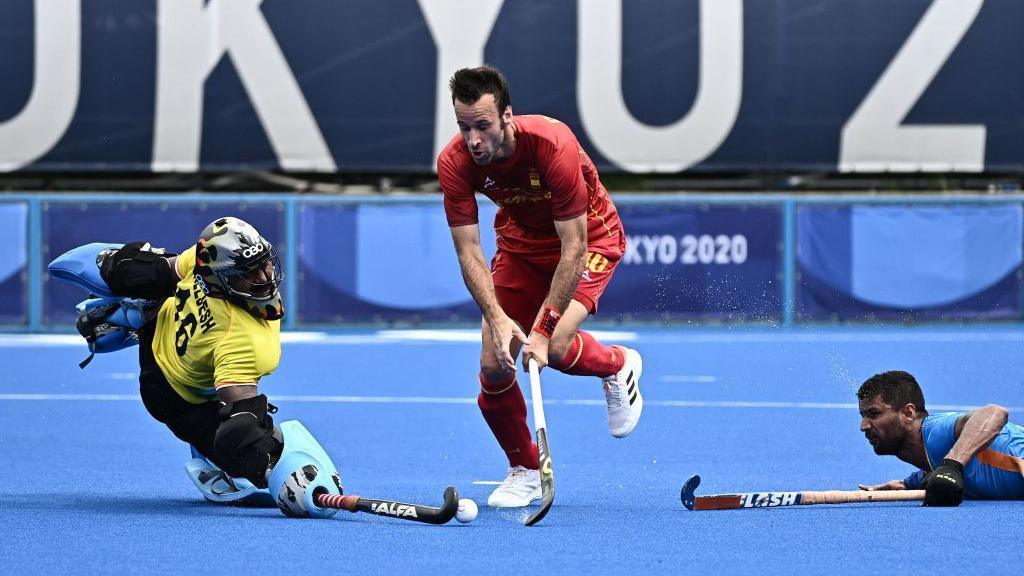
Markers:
(390, 262)
(698, 261)
(174, 226)
(647, 85)
(13, 262)
(909, 262)
(372, 262)
(396, 263)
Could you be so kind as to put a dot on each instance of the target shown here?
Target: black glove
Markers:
(137, 270)
(945, 485)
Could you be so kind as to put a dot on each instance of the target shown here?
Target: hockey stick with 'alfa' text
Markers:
(400, 510)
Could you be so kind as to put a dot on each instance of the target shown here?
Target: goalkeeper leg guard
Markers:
(80, 266)
(110, 324)
(303, 470)
(135, 270)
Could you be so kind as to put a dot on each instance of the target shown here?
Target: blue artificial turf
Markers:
(93, 485)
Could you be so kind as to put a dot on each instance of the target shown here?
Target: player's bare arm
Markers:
(573, 235)
(976, 430)
(228, 392)
(478, 281)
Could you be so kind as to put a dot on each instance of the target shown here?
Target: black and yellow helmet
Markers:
(237, 264)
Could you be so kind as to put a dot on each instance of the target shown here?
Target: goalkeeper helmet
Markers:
(235, 263)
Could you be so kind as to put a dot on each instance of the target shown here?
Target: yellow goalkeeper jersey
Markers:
(201, 341)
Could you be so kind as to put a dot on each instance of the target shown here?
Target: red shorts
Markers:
(522, 282)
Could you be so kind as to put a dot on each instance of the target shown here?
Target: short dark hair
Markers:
(469, 84)
(897, 389)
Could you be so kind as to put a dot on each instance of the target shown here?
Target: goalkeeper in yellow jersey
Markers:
(207, 322)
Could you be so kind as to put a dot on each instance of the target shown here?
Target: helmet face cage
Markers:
(239, 265)
(256, 280)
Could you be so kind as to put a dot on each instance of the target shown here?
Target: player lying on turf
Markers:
(977, 454)
(559, 240)
(208, 327)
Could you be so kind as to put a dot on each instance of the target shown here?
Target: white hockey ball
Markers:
(467, 511)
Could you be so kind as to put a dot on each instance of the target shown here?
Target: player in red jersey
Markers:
(559, 239)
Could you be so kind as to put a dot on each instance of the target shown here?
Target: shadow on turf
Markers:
(105, 504)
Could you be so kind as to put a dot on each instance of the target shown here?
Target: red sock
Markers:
(504, 409)
(588, 357)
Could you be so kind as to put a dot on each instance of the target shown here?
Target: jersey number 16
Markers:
(187, 325)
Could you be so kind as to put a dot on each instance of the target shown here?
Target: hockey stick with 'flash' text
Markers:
(777, 499)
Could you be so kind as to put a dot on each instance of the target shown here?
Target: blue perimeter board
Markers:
(95, 486)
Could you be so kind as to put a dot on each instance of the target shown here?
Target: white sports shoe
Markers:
(519, 488)
(622, 393)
